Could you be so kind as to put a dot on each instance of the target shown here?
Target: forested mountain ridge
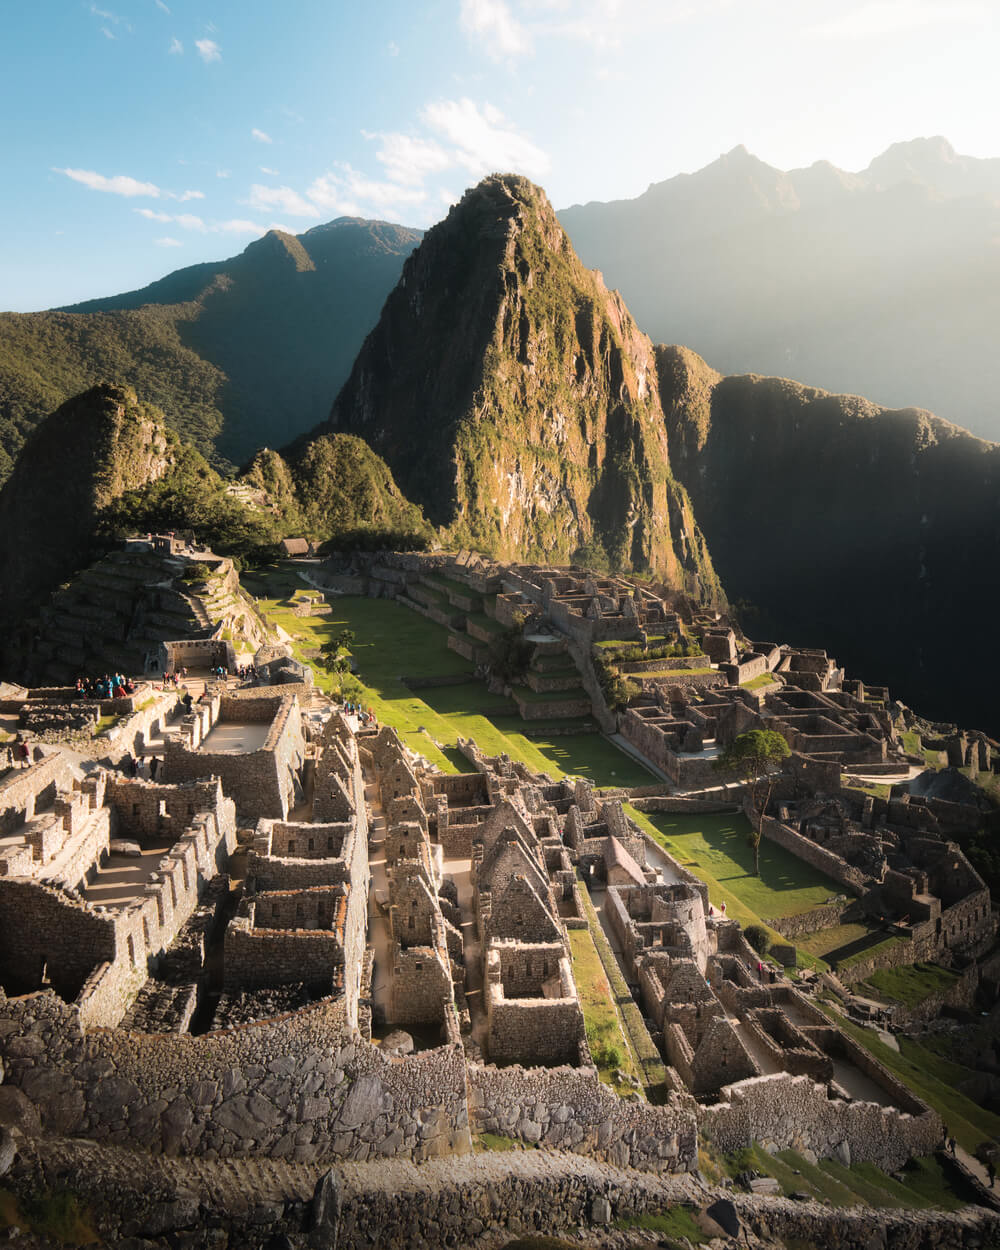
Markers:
(238, 354)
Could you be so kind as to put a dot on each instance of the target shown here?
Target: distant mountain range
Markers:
(506, 397)
(884, 283)
(238, 354)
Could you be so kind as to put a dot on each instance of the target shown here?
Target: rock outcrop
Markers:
(85, 456)
(515, 400)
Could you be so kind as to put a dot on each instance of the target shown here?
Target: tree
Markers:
(752, 756)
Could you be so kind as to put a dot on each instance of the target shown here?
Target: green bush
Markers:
(758, 937)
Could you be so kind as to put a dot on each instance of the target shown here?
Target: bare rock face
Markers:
(516, 401)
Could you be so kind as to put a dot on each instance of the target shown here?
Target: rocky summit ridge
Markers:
(515, 399)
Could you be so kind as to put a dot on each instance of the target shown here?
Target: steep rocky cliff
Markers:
(872, 532)
(78, 462)
(515, 400)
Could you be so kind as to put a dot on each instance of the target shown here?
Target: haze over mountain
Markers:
(884, 283)
(241, 353)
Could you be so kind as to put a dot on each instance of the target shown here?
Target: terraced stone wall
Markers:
(301, 1087)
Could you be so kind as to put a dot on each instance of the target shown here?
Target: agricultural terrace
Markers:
(392, 643)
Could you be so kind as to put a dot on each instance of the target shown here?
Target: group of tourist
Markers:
(18, 754)
(247, 672)
(365, 715)
(133, 767)
(110, 686)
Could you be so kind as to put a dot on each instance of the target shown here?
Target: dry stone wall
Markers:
(569, 1108)
(300, 1087)
(794, 1112)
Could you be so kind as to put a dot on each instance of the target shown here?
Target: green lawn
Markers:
(911, 983)
(861, 1184)
(820, 943)
(392, 642)
(609, 1047)
(759, 683)
(714, 847)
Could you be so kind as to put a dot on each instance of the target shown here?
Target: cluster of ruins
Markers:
(302, 941)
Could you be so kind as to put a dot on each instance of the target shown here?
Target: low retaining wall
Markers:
(571, 1109)
(817, 856)
(301, 1087)
(822, 917)
(794, 1112)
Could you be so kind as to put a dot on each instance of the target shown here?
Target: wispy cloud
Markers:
(223, 173)
(265, 169)
(167, 241)
(261, 136)
(891, 17)
(264, 199)
(109, 20)
(186, 221)
(120, 184)
(176, 47)
(160, 5)
(493, 24)
(197, 225)
(208, 50)
(392, 47)
(410, 159)
(348, 192)
(483, 139)
(457, 135)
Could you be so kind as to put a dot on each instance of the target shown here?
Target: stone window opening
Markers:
(162, 810)
(131, 949)
(291, 846)
(419, 966)
(312, 844)
(329, 844)
(411, 922)
(274, 909)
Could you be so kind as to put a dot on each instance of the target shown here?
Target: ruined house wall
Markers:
(146, 810)
(313, 908)
(421, 989)
(794, 1112)
(257, 958)
(300, 1087)
(24, 790)
(261, 781)
(39, 925)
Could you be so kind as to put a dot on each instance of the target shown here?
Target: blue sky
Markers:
(139, 136)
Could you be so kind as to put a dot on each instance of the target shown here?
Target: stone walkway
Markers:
(378, 923)
(460, 872)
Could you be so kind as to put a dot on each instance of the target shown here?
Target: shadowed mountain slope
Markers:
(238, 354)
(872, 532)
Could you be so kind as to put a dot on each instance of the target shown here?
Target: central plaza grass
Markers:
(392, 643)
(714, 847)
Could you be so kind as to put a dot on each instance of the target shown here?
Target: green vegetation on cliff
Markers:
(514, 398)
(238, 354)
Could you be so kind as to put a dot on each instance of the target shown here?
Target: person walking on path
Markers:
(991, 1171)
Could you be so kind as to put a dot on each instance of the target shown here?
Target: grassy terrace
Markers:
(922, 1184)
(392, 642)
(609, 1044)
(714, 847)
(910, 984)
(759, 683)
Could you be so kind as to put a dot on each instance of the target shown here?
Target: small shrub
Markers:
(758, 937)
